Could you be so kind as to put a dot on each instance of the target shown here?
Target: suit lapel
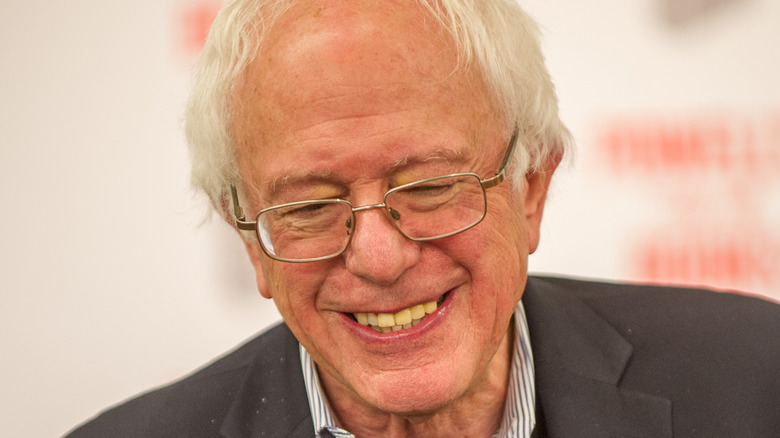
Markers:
(272, 400)
(579, 360)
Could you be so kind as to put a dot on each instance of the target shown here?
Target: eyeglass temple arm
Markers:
(241, 221)
(501, 171)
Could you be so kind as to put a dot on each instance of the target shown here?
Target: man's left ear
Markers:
(537, 183)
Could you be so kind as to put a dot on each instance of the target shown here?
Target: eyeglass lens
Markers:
(424, 210)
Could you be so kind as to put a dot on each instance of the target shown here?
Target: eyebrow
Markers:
(280, 183)
(448, 155)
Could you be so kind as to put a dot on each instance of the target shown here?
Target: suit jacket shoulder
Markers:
(255, 390)
(616, 359)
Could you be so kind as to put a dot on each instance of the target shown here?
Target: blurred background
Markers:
(114, 280)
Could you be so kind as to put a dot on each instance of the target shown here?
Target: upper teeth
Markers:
(406, 318)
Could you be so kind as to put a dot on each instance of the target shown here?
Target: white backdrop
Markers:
(111, 283)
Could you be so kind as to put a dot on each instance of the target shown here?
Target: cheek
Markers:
(499, 241)
(502, 243)
(495, 253)
(294, 287)
(506, 229)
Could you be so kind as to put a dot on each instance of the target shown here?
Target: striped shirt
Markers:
(519, 417)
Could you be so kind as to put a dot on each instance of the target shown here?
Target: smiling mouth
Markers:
(401, 320)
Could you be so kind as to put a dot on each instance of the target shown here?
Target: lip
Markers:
(431, 321)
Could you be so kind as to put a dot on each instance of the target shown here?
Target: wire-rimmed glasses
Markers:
(429, 209)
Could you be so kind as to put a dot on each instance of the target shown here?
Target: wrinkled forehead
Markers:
(400, 29)
(363, 43)
(317, 48)
(360, 69)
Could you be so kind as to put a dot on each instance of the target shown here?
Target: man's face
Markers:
(348, 103)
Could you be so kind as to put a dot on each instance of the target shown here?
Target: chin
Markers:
(418, 395)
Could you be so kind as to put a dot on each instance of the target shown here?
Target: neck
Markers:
(478, 412)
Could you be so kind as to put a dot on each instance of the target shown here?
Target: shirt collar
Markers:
(519, 415)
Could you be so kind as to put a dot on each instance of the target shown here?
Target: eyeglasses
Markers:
(429, 209)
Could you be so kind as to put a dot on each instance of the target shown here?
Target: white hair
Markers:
(495, 35)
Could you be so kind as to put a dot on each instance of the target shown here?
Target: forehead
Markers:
(369, 81)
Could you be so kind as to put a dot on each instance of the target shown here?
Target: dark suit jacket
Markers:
(611, 361)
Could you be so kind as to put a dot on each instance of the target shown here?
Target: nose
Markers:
(378, 252)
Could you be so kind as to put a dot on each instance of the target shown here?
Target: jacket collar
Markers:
(272, 398)
(579, 360)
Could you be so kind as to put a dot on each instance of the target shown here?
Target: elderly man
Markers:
(386, 163)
